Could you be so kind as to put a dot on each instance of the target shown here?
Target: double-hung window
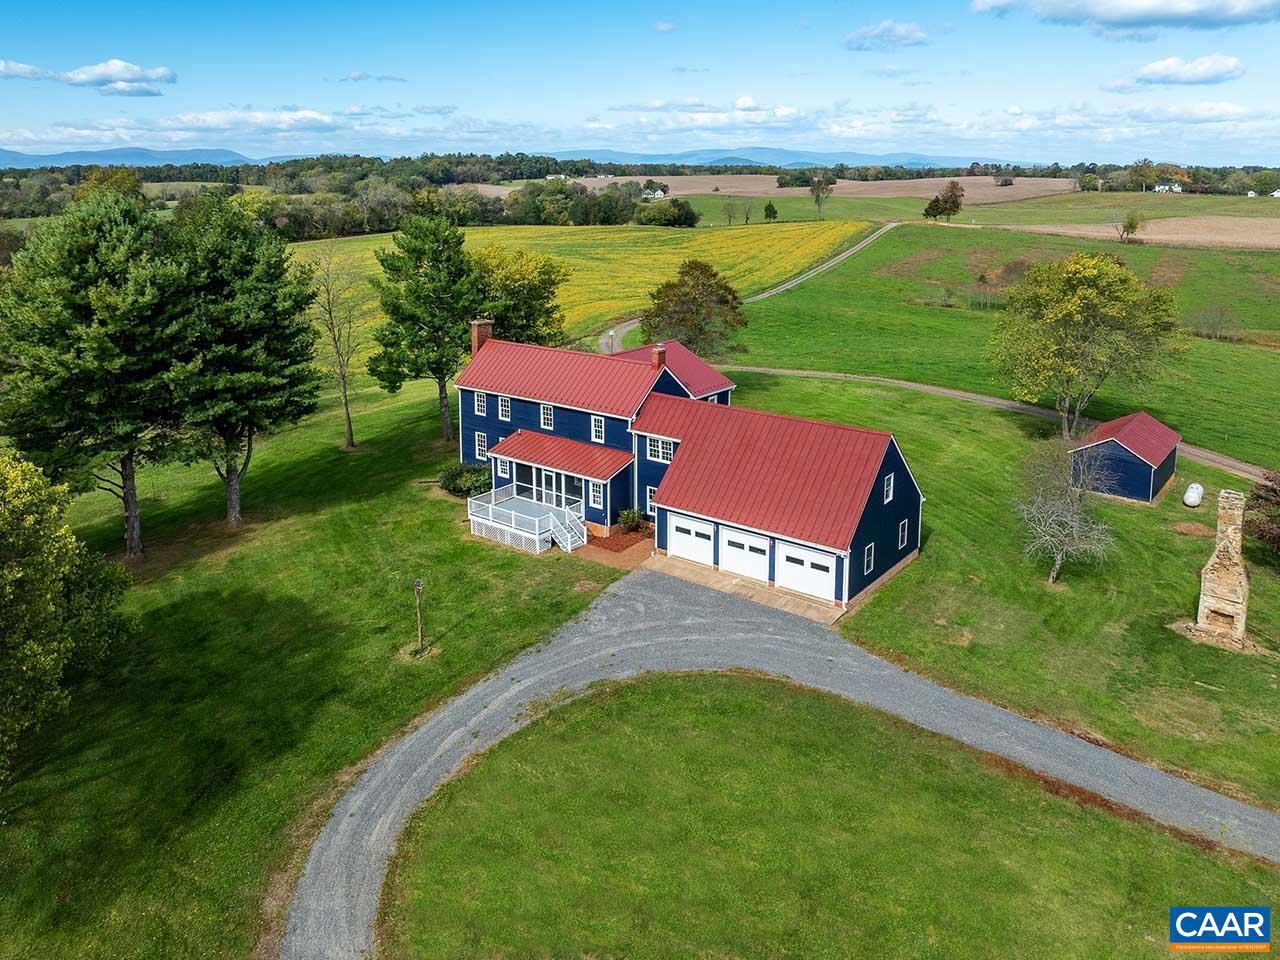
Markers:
(902, 534)
(661, 450)
(596, 492)
(648, 499)
(869, 558)
(888, 488)
(481, 404)
(504, 408)
(547, 416)
(504, 467)
(482, 446)
(597, 429)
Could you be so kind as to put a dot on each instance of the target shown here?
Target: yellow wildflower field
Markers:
(612, 269)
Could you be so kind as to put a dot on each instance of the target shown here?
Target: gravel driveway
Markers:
(650, 622)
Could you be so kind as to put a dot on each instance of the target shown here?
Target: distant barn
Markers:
(1137, 455)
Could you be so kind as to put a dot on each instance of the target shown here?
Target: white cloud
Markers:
(664, 26)
(745, 103)
(111, 78)
(360, 76)
(1130, 15)
(1214, 68)
(890, 71)
(886, 35)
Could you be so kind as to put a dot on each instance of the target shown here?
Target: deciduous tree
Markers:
(1129, 226)
(699, 308)
(59, 603)
(951, 199)
(1055, 505)
(770, 211)
(89, 328)
(430, 293)
(1071, 325)
(336, 309)
(249, 356)
(820, 188)
(520, 290)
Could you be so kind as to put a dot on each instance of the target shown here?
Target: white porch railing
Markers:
(548, 522)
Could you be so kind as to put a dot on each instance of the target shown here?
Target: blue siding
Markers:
(619, 494)
(1130, 474)
(880, 521)
(721, 397)
(649, 473)
(668, 384)
(573, 424)
(660, 528)
(1164, 472)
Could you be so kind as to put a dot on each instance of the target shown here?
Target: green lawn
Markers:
(880, 313)
(147, 822)
(1065, 208)
(1095, 655)
(728, 816)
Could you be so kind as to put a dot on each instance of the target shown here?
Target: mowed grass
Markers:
(1065, 208)
(612, 269)
(1094, 655)
(880, 313)
(729, 816)
(147, 822)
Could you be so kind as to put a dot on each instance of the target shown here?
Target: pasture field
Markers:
(148, 821)
(901, 308)
(612, 269)
(730, 816)
(977, 189)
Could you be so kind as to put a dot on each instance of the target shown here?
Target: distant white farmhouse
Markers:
(557, 176)
(1276, 194)
(1251, 193)
(1168, 188)
(652, 195)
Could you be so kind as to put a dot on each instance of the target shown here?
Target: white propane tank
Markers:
(1194, 495)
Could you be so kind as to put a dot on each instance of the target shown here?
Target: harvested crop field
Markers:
(977, 190)
(1253, 233)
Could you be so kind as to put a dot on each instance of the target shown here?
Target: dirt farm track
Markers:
(976, 189)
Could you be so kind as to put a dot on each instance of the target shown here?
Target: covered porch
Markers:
(531, 515)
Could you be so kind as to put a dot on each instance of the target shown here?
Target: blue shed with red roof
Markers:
(1137, 455)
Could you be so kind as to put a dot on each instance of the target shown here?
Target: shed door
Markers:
(744, 553)
(805, 571)
(690, 539)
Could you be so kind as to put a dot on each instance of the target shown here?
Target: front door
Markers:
(549, 488)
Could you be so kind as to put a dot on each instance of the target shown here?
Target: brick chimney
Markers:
(481, 330)
(659, 355)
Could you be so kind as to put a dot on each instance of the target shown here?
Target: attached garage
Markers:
(805, 571)
(691, 539)
(744, 553)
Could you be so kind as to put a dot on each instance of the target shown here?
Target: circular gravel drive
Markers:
(650, 622)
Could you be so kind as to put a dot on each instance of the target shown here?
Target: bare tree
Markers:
(730, 211)
(336, 309)
(747, 204)
(1056, 506)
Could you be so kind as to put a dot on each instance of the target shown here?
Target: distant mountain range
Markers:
(133, 157)
(770, 157)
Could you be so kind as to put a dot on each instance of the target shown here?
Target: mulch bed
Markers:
(620, 541)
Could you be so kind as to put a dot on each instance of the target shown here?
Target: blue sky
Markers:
(1042, 80)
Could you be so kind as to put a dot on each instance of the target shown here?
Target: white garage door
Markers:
(690, 539)
(806, 571)
(744, 553)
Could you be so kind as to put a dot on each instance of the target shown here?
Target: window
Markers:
(701, 536)
(736, 544)
(758, 551)
(888, 488)
(902, 534)
(481, 404)
(547, 416)
(685, 530)
(482, 446)
(796, 560)
(504, 408)
(869, 558)
(820, 567)
(648, 499)
(597, 429)
(661, 450)
(504, 467)
(713, 398)
(597, 495)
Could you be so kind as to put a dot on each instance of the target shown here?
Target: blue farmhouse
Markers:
(1137, 455)
(574, 438)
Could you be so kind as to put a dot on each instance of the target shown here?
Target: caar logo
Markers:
(1220, 929)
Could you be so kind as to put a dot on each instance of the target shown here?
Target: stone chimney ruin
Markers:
(1224, 581)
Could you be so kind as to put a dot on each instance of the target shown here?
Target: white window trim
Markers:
(504, 408)
(902, 533)
(655, 450)
(868, 559)
(595, 493)
(597, 421)
(480, 404)
(504, 467)
(888, 487)
(546, 412)
(482, 446)
(649, 509)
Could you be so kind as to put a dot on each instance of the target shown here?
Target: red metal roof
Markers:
(571, 378)
(698, 376)
(1142, 433)
(591, 460)
(807, 480)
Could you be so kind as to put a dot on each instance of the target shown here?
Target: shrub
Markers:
(1215, 323)
(631, 520)
(464, 481)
